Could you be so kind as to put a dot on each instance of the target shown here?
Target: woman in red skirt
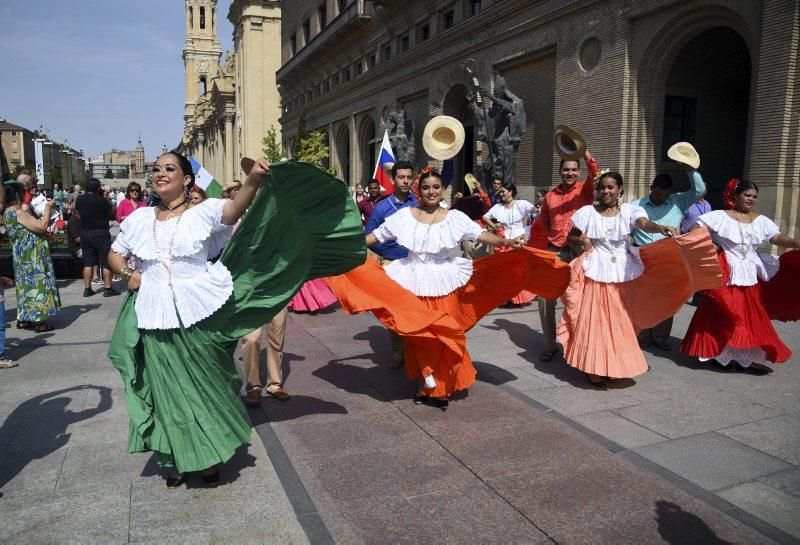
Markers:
(432, 298)
(732, 323)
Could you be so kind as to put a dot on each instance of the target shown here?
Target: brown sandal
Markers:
(280, 394)
(253, 398)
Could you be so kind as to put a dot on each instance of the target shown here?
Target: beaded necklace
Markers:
(166, 260)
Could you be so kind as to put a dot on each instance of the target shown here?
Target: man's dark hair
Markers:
(561, 163)
(93, 186)
(402, 165)
(663, 181)
(369, 183)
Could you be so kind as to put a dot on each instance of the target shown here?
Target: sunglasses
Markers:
(134, 191)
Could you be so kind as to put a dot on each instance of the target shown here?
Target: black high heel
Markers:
(212, 479)
(175, 481)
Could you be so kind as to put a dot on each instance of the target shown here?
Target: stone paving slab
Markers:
(532, 454)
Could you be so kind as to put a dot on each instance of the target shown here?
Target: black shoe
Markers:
(438, 402)
(88, 292)
(212, 479)
(756, 369)
(110, 292)
(175, 481)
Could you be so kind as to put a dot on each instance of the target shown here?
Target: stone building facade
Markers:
(633, 76)
(230, 106)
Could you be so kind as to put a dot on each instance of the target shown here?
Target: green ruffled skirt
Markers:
(181, 385)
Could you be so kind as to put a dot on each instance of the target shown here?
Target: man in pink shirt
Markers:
(552, 226)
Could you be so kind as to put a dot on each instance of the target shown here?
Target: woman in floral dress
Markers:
(37, 293)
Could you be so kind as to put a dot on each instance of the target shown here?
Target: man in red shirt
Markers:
(552, 226)
(366, 206)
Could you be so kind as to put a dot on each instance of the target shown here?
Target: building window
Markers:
(589, 53)
(202, 18)
(386, 52)
(203, 85)
(293, 45)
(359, 68)
(680, 116)
(404, 43)
(191, 17)
(346, 75)
(327, 86)
(306, 31)
(372, 60)
(424, 32)
(475, 7)
(337, 80)
(448, 19)
(341, 4)
(322, 15)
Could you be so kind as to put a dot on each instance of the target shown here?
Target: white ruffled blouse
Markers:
(429, 270)
(613, 258)
(178, 249)
(738, 241)
(514, 218)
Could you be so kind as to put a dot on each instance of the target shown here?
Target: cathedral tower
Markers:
(201, 51)
(138, 160)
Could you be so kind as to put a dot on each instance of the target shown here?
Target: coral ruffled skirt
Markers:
(434, 328)
(524, 296)
(733, 322)
(601, 320)
(313, 296)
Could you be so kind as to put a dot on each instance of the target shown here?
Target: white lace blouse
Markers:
(513, 219)
(429, 270)
(177, 250)
(613, 258)
(738, 241)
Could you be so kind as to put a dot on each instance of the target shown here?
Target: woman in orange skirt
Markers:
(617, 289)
(431, 298)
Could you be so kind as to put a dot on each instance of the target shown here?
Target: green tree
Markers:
(122, 173)
(271, 149)
(301, 131)
(313, 148)
(109, 174)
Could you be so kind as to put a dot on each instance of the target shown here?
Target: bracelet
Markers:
(126, 274)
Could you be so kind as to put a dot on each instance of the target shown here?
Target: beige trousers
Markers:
(547, 307)
(251, 353)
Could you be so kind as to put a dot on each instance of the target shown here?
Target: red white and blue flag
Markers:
(385, 157)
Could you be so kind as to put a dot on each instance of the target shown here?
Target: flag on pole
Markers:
(204, 180)
(385, 156)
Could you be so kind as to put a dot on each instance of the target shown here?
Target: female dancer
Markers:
(617, 289)
(431, 298)
(514, 215)
(176, 335)
(732, 323)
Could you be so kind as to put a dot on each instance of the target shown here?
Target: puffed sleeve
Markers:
(492, 213)
(210, 211)
(388, 230)
(635, 214)
(767, 228)
(580, 219)
(465, 227)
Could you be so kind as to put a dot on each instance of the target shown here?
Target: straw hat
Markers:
(569, 144)
(472, 182)
(233, 184)
(443, 137)
(247, 165)
(684, 152)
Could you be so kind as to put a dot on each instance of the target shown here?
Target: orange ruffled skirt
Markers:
(601, 320)
(434, 328)
(524, 296)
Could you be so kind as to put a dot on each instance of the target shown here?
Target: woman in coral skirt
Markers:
(431, 298)
(514, 216)
(617, 289)
(732, 323)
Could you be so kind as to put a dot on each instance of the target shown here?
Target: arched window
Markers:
(191, 17)
(202, 86)
(202, 17)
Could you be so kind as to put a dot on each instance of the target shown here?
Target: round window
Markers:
(589, 54)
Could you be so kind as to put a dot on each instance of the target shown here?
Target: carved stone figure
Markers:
(401, 135)
(501, 126)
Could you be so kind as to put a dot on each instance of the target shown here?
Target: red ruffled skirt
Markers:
(313, 296)
(434, 328)
(734, 321)
(601, 320)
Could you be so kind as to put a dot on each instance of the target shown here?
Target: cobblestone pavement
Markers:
(685, 454)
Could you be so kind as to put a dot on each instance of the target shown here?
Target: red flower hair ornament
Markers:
(729, 195)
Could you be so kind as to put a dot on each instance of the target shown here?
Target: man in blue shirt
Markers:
(665, 208)
(403, 176)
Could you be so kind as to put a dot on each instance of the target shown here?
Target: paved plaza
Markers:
(534, 454)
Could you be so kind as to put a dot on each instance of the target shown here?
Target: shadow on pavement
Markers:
(47, 415)
(230, 470)
(298, 407)
(681, 527)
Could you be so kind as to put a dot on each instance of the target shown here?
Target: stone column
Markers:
(201, 147)
(230, 158)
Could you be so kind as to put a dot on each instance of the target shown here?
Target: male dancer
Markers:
(665, 208)
(553, 224)
(403, 176)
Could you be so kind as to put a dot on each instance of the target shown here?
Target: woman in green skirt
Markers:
(179, 325)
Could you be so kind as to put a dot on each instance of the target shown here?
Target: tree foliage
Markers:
(271, 149)
(312, 147)
(108, 174)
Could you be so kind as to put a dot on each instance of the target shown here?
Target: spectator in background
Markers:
(232, 188)
(131, 201)
(74, 235)
(494, 194)
(197, 195)
(58, 198)
(367, 205)
(537, 204)
(95, 212)
(699, 207)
